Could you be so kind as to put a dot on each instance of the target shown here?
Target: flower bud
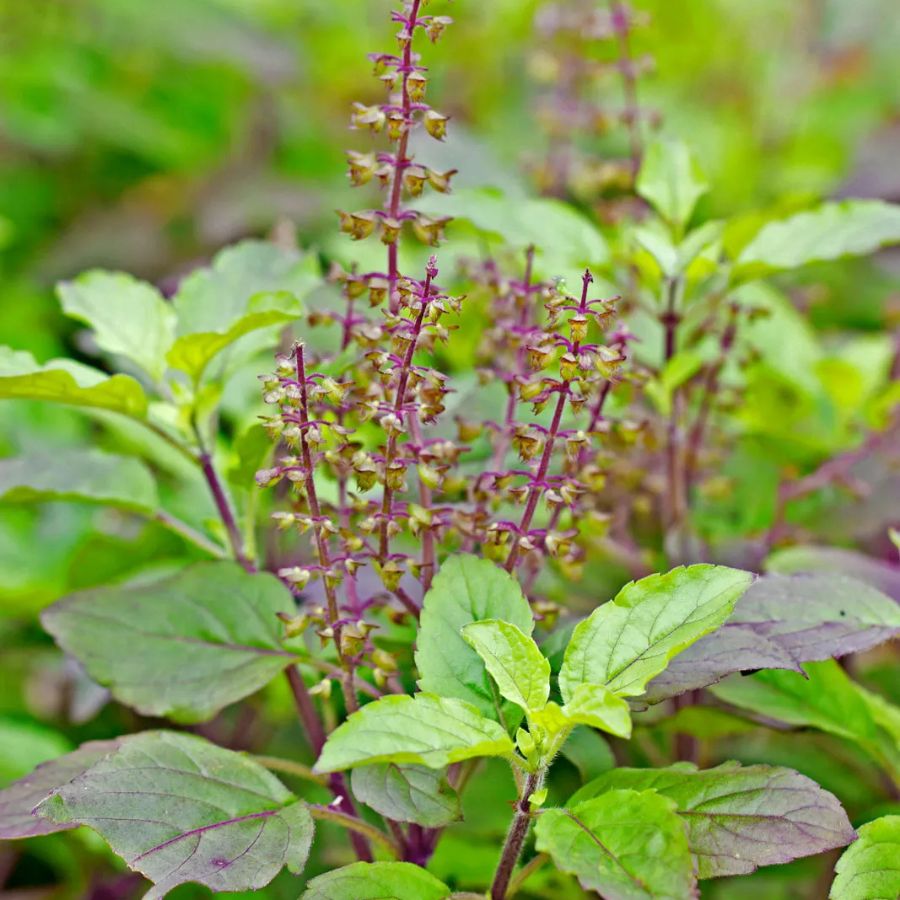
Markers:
(357, 225)
(435, 124)
(364, 116)
(415, 85)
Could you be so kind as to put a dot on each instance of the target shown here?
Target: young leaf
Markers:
(376, 881)
(179, 809)
(599, 707)
(407, 793)
(19, 799)
(740, 817)
(182, 647)
(129, 317)
(782, 621)
(466, 589)
(868, 868)
(626, 845)
(434, 731)
(513, 660)
(89, 476)
(191, 353)
(213, 299)
(671, 181)
(66, 381)
(834, 230)
(625, 643)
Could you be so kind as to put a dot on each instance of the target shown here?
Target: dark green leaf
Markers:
(182, 647)
(407, 793)
(179, 809)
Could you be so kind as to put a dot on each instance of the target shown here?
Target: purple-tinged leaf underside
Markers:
(178, 809)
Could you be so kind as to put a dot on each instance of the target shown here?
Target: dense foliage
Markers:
(528, 528)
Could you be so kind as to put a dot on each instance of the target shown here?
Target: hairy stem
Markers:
(515, 837)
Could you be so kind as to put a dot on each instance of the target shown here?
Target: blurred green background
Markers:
(144, 135)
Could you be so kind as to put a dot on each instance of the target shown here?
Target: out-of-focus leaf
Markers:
(513, 660)
(832, 231)
(434, 731)
(625, 643)
(65, 381)
(25, 745)
(407, 793)
(563, 238)
(129, 318)
(588, 752)
(626, 845)
(19, 799)
(782, 621)
(868, 868)
(89, 476)
(191, 353)
(213, 299)
(670, 180)
(466, 589)
(740, 817)
(377, 881)
(182, 647)
(809, 558)
(179, 809)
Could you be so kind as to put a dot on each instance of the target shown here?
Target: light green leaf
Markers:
(564, 239)
(66, 381)
(626, 845)
(513, 660)
(192, 353)
(599, 707)
(179, 809)
(407, 793)
(377, 881)
(83, 475)
(25, 744)
(466, 589)
(832, 231)
(825, 698)
(625, 643)
(868, 870)
(434, 731)
(213, 299)
(740, 817)
(182, 647)
(670, 180)
(129, 317)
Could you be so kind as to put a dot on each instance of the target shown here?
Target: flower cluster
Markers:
(395, 169)
(582, 47)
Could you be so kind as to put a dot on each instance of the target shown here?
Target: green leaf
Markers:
(599, 707)
(25, 744)
(179, 809)
(129, 317)
(868, 869)
(434, 731)
(192, 353)
(65, 381)
(85, 475)
(466, 589)
(625, 643)
(670, 180)
(626, 845)
(513, 660)
(740, 817)
(407, 793)
(182, 647)
(824, 698)
(588, 752)
(377, 881)
(212, 300)
(564, 239)
(19, 799)
(833, 231)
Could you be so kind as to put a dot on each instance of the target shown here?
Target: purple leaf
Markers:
(19, 799)
(740, 817)
(780, 622)
(179, 809)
